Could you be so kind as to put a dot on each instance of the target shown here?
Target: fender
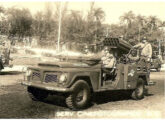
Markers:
(92, 78)
(145, 77)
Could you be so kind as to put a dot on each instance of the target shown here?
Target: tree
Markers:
(20, 21)
(75, 26)
(38, 24)
(2, 9)
(94, 27)
(141, 24)
(99, 14)
(152, 23)
(128, 17)
(3, 21)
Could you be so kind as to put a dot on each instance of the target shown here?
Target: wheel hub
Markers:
(139, 90)
(80, 96)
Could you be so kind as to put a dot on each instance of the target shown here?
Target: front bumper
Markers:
(47, 87)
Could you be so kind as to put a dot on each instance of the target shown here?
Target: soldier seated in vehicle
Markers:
(109, 62)
(133, 56)
(87, 51)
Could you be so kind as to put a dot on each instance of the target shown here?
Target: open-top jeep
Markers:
(78, 78)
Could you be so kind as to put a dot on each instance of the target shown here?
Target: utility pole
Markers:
(96, 30)
(59, 29)
(161, 40)
(159, 47)
(139, 33)
(107, 32)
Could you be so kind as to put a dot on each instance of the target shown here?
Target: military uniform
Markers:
(108, 60)
(133, 58)
(146, 50)
(146, 53)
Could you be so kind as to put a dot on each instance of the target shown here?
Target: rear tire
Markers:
(37, 94)
(80, 97)
(138, 93)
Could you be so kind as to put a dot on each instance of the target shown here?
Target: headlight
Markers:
(28, 72)
(63, 78)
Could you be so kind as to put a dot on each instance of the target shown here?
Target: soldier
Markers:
(146, 53)
(108, 58)
(133, 56)
(109, 63)
(146, 49)
(86, 50)
(121, 37)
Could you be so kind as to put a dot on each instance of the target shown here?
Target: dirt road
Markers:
(15, 102)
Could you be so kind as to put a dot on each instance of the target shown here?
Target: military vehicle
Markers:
(4, 54)
(78, 78)
(156, 62)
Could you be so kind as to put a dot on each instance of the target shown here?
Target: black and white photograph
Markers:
(82, 59)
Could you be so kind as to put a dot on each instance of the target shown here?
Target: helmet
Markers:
(86, 47)
(144, 39)
(121, 36)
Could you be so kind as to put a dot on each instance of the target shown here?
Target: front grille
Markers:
(36, 76)
(51, 78)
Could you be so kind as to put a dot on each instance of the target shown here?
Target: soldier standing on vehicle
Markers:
(146, 49)
(146, 53)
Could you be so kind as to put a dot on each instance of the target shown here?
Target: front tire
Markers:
(80, 97)
(138, 93)
(37, 94)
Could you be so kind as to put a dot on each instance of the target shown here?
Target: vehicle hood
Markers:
(64, 64)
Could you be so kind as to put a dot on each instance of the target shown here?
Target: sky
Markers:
(113, 10)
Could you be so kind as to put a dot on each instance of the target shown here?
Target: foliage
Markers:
(75, 26)
(20, 21)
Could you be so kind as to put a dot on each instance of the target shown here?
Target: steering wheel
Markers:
(123, 59)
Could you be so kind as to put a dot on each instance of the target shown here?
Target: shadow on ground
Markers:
(10, 72)
(15, 103)
(105, 97)
(112, 96)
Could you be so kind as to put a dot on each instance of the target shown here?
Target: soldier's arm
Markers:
(133, 58)
(138, 45)
(111, 63)
(150, 50)
(103, 58)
